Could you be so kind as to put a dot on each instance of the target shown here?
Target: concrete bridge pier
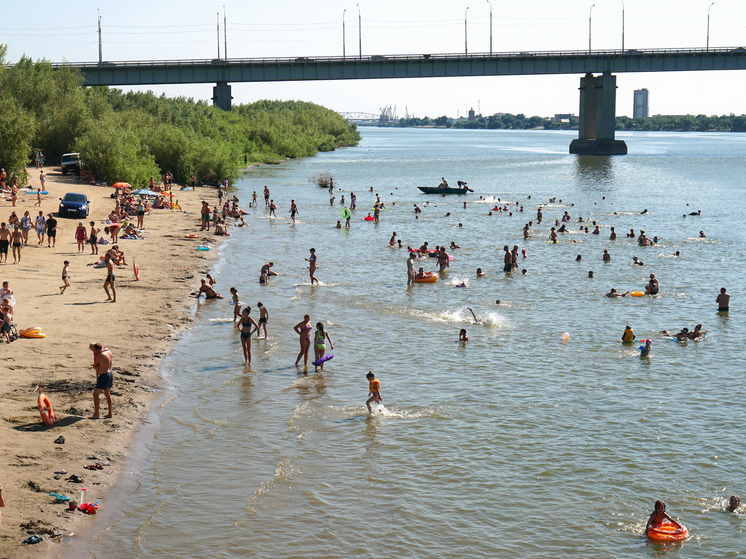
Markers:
(221, 96)
(597, 117)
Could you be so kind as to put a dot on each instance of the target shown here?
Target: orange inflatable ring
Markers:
(45, 409)
(667, 532)
(30, 330)
(192, 236)
(136, 268)
(32, 335)
(430, 277)
(637, 294)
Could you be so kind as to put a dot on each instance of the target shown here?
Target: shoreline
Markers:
(141, 329)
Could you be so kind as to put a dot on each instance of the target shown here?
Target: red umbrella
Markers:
(121, 185)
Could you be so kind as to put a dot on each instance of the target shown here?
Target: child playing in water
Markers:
(658, 516)
(374, 386)
(645, 349)
(236, 305)
(462, 337)
(629, 335)
(319, 343)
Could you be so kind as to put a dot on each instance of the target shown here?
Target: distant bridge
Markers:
(361, 118)
(598, 94)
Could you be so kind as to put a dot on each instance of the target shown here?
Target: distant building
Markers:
(566, 118)
(640, 109)
(472, 114)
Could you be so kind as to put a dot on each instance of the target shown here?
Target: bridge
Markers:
(361, 118)
(597, 93)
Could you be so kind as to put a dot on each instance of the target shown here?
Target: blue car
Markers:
(74, 205)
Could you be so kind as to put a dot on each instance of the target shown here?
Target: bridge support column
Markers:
(221, 96)
(597, 117)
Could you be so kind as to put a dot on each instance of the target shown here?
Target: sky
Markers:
(187, 29)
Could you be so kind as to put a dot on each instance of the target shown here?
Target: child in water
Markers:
(645, 349)
(658, 516)
(462, 337)
(235, 302)
(629, 335)
(735, 502)
(319, 343)
(374, 386)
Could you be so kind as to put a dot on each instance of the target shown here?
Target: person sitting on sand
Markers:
(658, 516)
(734, 502)
(221, 229)
(117, 256)
(209, 292)
(613, 293)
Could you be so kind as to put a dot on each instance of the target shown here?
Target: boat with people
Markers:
(443, 188)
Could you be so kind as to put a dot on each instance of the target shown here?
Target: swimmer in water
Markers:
(658, 516)
(629, 335)
(476, 320)
(374, 390)
(462, 337)
(636, 262)
(392, 240)
(480, 273)
(677, 253)
(644, 350)
(734, 503)
(613, 293)
(590, 274)
(696, 333)
(702, 235)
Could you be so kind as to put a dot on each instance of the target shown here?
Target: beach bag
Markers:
(13, 333)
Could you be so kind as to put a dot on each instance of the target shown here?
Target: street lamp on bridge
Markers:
(490, 3)
(590, 13)
(360, 31)
(343, 33)
(708, 26)
(622, 25)
(466, 42)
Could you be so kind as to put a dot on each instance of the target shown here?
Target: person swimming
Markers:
(658, 516)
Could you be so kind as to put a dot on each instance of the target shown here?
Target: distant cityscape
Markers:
(568, 121)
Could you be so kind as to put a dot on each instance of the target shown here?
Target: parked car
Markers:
(70, 162)
(74, 205)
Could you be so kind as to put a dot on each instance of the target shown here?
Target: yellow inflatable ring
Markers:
(32, 335)
(637, 294)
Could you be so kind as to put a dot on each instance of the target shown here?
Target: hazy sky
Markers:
(158, 30)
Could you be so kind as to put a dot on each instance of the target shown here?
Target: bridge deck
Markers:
(144, 72)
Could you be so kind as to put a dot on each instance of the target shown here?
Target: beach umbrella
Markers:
(145, 192)
(121, 185)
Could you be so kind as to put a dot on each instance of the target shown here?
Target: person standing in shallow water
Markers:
(102, 361)
(312, 267)
(723, 301)
(303, 329)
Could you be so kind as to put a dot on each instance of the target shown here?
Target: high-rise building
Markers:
(641, 104)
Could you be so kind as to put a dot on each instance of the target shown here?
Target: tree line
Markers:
(133, 136)
(680, 123)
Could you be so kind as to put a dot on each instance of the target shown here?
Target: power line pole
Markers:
(225, 33)
(218, 20)
(100, 50)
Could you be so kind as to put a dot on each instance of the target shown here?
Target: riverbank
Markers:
(140, 328)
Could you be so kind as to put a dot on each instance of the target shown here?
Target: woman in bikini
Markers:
(303, 329)
(246, 325)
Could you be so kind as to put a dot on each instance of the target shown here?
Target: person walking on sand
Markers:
(319, 343)
(38, 198)
(102, 361)
(41, 226)
(303, 329)
(374, 390)
(65, 277)
(51, 231)
(109, 282)
(42, 180)
(80, 236)
(246, 324)
(17, 238)
(723, 300)
(205, 216)
(4, 242)
(312, 268)
(263, 319)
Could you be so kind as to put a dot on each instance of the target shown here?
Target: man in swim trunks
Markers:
(613, 293)
(205, 216)
(508, 259)
(263, 318)
(293, 210)
(266, 197)
(4, 242)
(723, 300)
(209, 292)
(17, 238)
(109, 282)
(652, 287)
(374, 390)
(102, 361)
(266, 269)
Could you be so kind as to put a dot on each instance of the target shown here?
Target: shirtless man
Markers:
(293, 210)
(263, 319)
(266, 269)
(4, 242)
(205, 216)
(443, 259)
(723, 300)
(312, 268)
(410, 268)
(652, 287)
(109, 282)
(613, 293)
(606, 256)
(209, 292)
(514, 254)
(508, 259)
(272, 208)
(102, 361)
(17, 238)
(612, 237)
(266, 197)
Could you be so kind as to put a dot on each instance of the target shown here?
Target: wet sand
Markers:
(140, 328)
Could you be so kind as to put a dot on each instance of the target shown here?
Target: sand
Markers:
(140, 328)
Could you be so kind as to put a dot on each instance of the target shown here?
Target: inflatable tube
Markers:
(45, 409)
(136, 269)
(430, 277)
(369, 218)
(667, 532)
(322, 360)
(29, 330)
(345, 213)
(33, 335)
(637, 294)
(203, 248)
(192, 236)
(34, 192)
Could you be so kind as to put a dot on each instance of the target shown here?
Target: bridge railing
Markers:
(407, 57)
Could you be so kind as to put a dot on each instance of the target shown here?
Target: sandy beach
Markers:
(139, 329)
